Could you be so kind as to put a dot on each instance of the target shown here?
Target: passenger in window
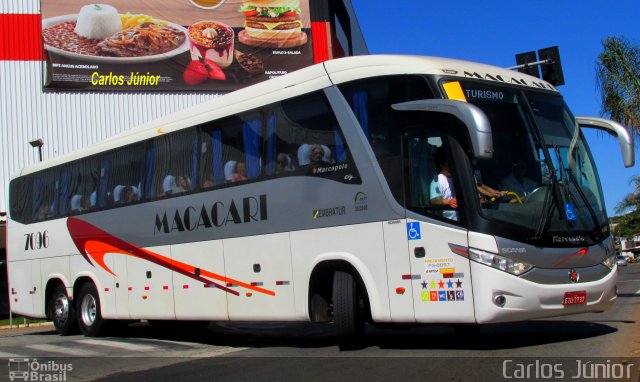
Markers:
(175, 185)
(444, 192)
(240, 172)
(316, 156)
(129, 195)
(44, 212)
(283, 163)
(209, 182)
(183, 184)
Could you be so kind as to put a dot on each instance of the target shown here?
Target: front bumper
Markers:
(525, 300)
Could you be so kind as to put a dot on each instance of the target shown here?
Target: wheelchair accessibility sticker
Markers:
(413, 231)
(570, 211)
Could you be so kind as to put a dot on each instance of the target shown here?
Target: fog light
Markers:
(499, 300)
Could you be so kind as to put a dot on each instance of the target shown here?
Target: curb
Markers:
(23, 326)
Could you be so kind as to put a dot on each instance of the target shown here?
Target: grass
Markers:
(20, 321)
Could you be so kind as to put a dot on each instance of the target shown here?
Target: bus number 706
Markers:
(36, 240)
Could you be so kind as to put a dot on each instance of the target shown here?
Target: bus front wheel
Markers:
(62, 311)
(89, 314)
(347, 315)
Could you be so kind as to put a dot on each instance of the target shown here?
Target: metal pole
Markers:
(547, 61)
(40, 152)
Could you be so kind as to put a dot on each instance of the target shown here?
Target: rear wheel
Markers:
(62, 312)
(347, 313)
(89, 314)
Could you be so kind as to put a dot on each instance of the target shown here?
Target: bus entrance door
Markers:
(440, 270)
(440, 273)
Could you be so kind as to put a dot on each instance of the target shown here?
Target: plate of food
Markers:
(100, 34)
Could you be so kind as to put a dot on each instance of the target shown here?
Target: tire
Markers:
(319, 309)
(62, 312)
(347, 316)
(89, 314)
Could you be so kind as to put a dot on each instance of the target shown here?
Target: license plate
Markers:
(575, 298)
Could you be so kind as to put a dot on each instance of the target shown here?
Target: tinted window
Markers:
(371, 102)
(83, 185)
(303, 138)
(172, 162)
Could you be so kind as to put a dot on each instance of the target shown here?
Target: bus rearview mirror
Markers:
(473, 118)
(614, 128)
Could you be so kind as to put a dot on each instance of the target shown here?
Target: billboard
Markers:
(172, 45)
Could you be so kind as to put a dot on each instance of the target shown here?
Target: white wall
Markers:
(65, 121)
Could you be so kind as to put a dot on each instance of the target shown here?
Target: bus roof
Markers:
(302, 81)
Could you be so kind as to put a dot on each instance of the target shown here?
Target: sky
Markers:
(493, 32)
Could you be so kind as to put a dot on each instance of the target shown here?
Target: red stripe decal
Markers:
(21, 37)
(94, 243)
(579, 253)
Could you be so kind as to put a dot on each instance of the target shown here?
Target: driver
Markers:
(517, 181)
(484, 190)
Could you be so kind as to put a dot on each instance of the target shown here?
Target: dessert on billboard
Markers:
(272, 24)
(212, 40)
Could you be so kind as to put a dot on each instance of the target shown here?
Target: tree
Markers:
(632, 200)
(618, 78)
(629, 223)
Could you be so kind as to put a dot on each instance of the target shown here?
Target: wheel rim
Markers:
(88, 310)
(61, 309)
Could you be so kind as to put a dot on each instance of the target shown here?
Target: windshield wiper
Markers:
(594, 217)
(546, 207)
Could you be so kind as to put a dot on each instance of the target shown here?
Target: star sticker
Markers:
(449, 284)
(441, 284)
(458, 284)
(424, 285)
(433, 284)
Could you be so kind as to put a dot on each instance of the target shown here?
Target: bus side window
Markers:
(45, 195)
(20, 199)
(83, 184)
(121, 176)
(174, 163)
(370, 101)
(297, 126)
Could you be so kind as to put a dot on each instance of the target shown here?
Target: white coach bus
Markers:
(381, 189)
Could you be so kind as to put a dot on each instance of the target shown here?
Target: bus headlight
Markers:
(610, 261)
(502, 263)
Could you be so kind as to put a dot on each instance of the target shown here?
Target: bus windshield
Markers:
(541, 164)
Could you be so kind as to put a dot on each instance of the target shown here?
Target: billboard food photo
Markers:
(172, 45)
